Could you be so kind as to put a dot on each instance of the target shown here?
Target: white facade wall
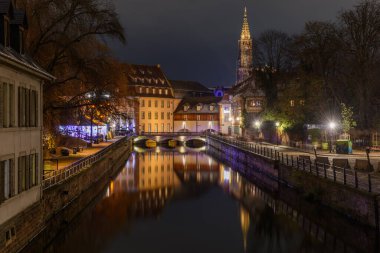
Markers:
(18, 141)
(196, 126)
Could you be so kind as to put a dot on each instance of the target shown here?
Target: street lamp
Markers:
(332, 126)
(277, 125)
(258, 125)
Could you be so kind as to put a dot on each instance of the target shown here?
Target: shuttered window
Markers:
(6, 179)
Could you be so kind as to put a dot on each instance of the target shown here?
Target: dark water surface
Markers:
(181, 201)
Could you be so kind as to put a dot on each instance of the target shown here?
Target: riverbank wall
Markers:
(61, 202)
(355, 204)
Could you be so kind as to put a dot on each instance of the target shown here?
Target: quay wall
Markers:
(355, 204)
(62, 202)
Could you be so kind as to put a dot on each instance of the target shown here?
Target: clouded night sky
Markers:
(197, 39)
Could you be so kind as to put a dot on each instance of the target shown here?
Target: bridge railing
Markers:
(172, 134)
(55, 177)
(340, 175)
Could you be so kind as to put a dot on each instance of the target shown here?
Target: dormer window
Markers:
(166, 91)
(212, 107)
(199, 107)
(7, 32)
(186, 107)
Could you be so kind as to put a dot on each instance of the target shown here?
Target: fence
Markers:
(58, 176)
(336, 174)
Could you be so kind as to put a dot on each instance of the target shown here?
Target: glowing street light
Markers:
(332, 125)
(277, 124)
(257, 124)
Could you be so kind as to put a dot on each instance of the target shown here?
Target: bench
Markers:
(322, 160)
(341, 163)
(361, 164)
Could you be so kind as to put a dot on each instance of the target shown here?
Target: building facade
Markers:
(197, 114)
(154, 98)
(21, 83)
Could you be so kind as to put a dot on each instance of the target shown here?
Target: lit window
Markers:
(160, 91)
(292, 103)
(212, 107)
(166, 92)
(199, 107)
(147, 90)
(140, 90)
(302, 102)
(186, 107)
(154, 91)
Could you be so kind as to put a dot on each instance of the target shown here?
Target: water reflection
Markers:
(185, 201)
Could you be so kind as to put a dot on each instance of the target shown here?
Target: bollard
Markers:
(356, 180)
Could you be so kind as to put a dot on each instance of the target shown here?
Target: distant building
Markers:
(155, 102)
(184, 89)
(248, 99)
(225, 112)
(197, 114)
(21, 166)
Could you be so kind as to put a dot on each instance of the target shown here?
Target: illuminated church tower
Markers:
(245, 58)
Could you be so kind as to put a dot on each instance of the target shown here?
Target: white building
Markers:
(20, 119)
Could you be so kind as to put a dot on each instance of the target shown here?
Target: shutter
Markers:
(37, 161)
(2, 181)
(1, 106)
(19, 174)
(19, 108)
(12, 177)
(12, 105)
(27, 172)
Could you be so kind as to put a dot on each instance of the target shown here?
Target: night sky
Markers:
(197, 39)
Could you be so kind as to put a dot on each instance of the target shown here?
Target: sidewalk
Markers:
(357, 154)
(64, 161)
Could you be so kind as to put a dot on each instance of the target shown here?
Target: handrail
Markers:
(58, 176)
(336, 174)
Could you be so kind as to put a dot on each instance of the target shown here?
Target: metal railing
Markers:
(172, 134)
(55, 177)
(341, 175)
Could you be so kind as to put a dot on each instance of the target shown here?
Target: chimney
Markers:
(6, 15)
(17, 31)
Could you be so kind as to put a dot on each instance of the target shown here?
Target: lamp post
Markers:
(277, 126)
(332, 126)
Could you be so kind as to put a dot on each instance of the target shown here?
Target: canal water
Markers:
(186, 201)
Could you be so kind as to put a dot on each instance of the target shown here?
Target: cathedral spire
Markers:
(245, 33)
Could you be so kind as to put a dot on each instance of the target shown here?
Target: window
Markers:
(168, 115)
(162, 127)
(292, 103)
(149, 103)
(199, 107)
(154, 91)
(156, 127)
(149, 115)
(168, 129)
(149, 127)
(6, 32)
(143, 103)
(27, 172)
(7, 177)
(166, 92)
(212, 107)
(168, 104)
(302, 102)
(28, 107)
(186, 107)
(160, 91)
(7, 111)
(143, 127)
(162, 103)
(156, 115)
(156, 103)
(140, 90)
(147, 90)
(198, 117)
(142, 115)
(162, 115)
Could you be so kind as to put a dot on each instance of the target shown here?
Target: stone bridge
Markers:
(161, 137)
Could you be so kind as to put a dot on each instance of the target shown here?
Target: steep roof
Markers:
(192, 102)
(24, 62)
(5, 6)
(145, 75)
(189, 86)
